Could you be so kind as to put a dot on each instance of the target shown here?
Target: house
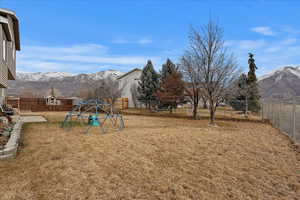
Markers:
(128, 82)
(9, 43)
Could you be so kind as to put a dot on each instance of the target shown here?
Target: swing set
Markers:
(94, 113)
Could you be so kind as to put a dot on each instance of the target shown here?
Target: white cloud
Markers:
(76, 58)
(121, 41)
(251, 44)
(229, 43)
(272, 49)
(144, 41)
(265, 30)
(289, 41)
(139, 41)
(290, 30)
(269, 55)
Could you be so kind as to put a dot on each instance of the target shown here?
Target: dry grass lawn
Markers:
(153, 158)
(222, 113)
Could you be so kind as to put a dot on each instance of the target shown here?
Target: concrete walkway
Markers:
(30, 119)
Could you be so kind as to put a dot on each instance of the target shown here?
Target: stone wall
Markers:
(10, 149)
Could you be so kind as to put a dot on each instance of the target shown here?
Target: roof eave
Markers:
(16, 30)
(136, 69)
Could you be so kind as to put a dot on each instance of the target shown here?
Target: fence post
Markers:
(279, 119)
(294, 118)
(268, 110)
(262, 112)
(278, 113)
(246, 112)
(272, 112)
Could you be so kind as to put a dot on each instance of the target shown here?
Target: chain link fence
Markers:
(284, 114)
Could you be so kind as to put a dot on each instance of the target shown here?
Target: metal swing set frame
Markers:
(94, 107)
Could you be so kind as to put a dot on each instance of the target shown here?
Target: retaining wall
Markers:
(11, 148)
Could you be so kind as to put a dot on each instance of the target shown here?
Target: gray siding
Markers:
(128, 82)
(7, 65)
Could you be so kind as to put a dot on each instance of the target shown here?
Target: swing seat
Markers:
(93, 120)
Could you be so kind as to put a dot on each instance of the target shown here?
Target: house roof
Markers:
(14, 17)
(136, 69)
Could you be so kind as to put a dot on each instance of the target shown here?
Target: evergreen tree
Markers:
(148, 85)
(167, 69)
(240, 90)
(246, 90)
(253, 93)
(171, 91)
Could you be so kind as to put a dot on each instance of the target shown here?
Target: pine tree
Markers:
(240, 91)
(148, 85)
(246, 95)
(253, 93)
(171, 91)
(167, 69)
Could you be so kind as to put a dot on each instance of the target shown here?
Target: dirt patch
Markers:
(153, 158)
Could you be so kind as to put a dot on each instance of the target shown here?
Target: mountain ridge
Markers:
(46, 76)
(66, 84)
(284, 82)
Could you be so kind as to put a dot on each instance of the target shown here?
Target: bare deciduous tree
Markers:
(30, 93)
(208, 62)
(134, 95)
(191, 75)
(109, 90)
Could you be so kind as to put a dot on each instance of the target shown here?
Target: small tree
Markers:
(238, 94)
(134, 94)
(167, 69)
(148, 85)
(191, 75)
(204, 100)
(253, 95)
(54, 92)
(212, 66)
(246, 95)
(171, 91)
(108, 90)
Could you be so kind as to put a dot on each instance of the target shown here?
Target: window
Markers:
(4, 49)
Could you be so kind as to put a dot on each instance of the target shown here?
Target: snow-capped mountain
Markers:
(287, 69)
(67, 84)
(41, 76)
(46, 76)
(284, 82)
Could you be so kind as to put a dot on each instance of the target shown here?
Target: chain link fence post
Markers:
(294, 119)
(279, 114)
(272, 111)
(262, 112)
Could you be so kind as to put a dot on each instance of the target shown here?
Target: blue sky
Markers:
(82, 36)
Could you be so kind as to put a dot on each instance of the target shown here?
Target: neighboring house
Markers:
(129, 83)
(9, 43)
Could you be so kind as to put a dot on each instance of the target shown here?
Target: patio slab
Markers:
(32, 119)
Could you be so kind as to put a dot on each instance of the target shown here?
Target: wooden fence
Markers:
(39, 104)
(122, 103)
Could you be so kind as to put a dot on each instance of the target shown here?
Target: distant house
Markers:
(9, 43)
(129, 83)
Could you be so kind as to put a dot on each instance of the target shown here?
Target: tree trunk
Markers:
(171, 109)
(195, 109)
(212, 116)
(212, 110)
(205, 105)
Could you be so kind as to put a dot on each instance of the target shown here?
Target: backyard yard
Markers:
(152, 158)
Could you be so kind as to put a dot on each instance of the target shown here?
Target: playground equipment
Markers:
(94, 113)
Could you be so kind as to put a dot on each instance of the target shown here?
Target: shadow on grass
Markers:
(148, 113)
